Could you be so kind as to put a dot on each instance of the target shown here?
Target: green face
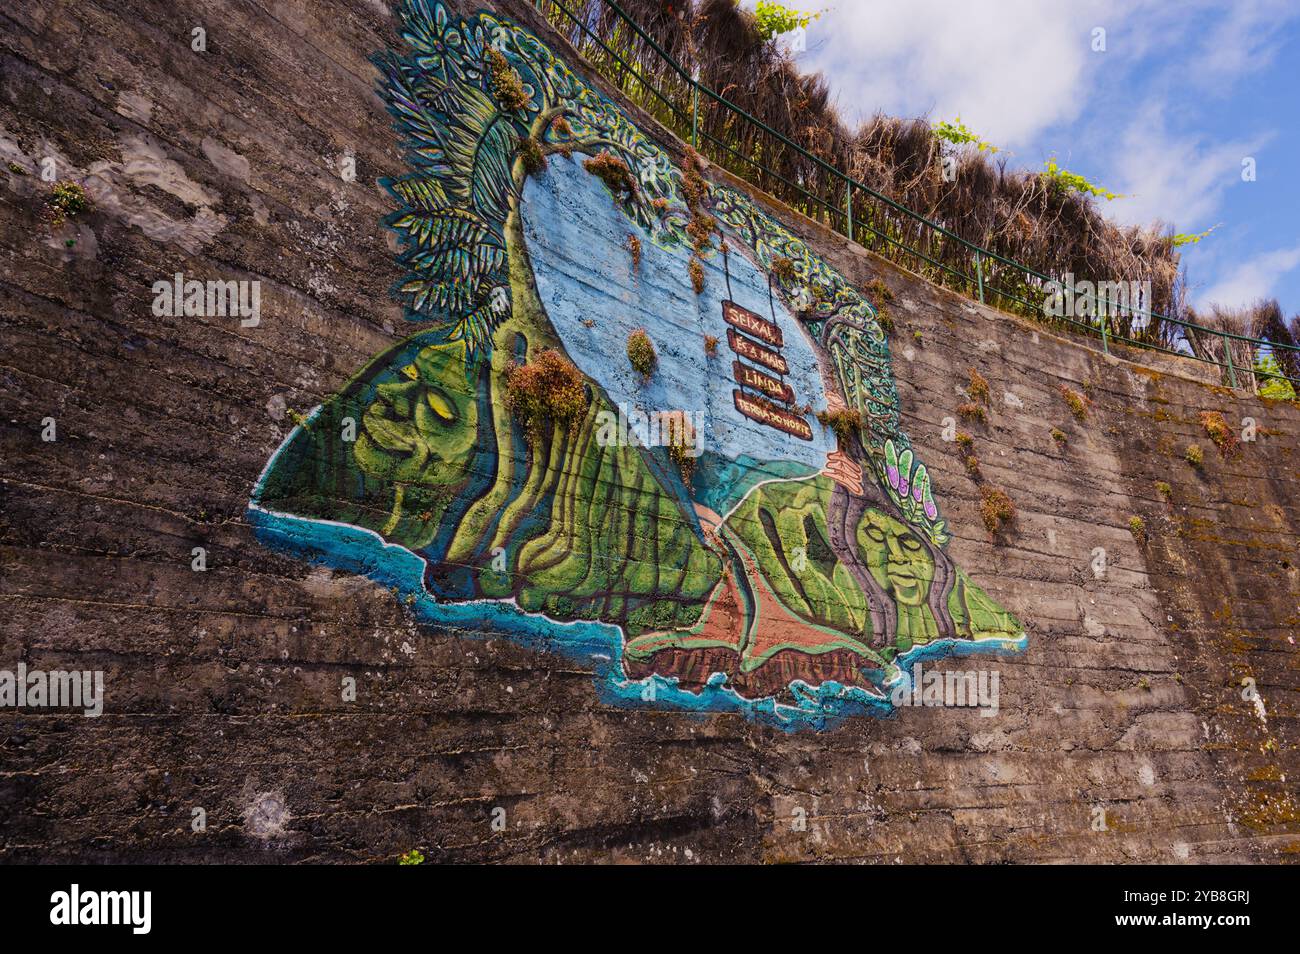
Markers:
(897, 558)
(420, 428)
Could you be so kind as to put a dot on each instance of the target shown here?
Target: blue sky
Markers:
(1181, 94)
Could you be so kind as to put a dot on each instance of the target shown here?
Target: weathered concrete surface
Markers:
(223, 687)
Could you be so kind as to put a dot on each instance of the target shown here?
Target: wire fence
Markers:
(615, 45)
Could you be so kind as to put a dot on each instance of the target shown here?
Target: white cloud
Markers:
(1010, 68)
(1174, 178)
(1253, 279)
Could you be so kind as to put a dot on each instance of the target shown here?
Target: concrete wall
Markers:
(227, 690)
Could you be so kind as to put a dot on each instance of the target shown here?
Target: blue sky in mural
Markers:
(577, 242)
(1182, 93)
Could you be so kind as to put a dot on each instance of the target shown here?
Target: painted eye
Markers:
(910, 543)
(440, 406)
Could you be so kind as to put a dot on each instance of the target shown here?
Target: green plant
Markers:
(1058, 435)
(548, 391)
(1137, 526)
(1077, 402)
(973, 467)
(701, 228)
(696, 270)
(694, 189)
(1190, 238)
(965, 441)
(412, 857)
(634, 246)
(783, 269)
(973, 412)
(1194, 455)
(773, 19)
(978, 389)
(65, 200)
(641, 353)
(710, 345)
(1274, 385)
(1225, 439)
(1144, 683)
(885, 320)
(843, 422)
(506, 84)
(996, 509)
(612, 171)
(530, 153)
(1164, 489)
(957, 134)
(681, 445)
(918, 337)
(878, 291)
(1062, 180)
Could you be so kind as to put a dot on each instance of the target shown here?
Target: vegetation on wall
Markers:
(641, 353)
(547, 391)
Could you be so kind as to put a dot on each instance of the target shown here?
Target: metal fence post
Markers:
(695, 115)
(1232, 372)
(848, 207)
(979, 274)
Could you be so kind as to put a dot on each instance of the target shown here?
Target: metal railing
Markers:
(704, 117)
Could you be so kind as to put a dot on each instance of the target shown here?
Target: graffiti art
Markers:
(762, 560)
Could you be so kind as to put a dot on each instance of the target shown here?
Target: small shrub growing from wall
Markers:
(783, 269)
(878, 291)
(530, 151)
(694, 189)
(973, 468)
(1225, 439)
(547, 391)
(701, 228)
(506, 84)
(1164, 489)
(634, 246)
(710, 345)
(1137, 526)
(996, 509)
(1194, 455)
(612, 171)
(1058, 435)
(66, 200)
(978, 389)
(641, 353)
(681, 445)
(1077, 403)
(842, 422)
(971, 411)
(885, 320)
(965, 441)
(696, 270)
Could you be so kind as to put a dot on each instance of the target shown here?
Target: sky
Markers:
(1164, 106)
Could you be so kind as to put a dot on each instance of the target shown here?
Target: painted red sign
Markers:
(752, 378)
(752, 324)
(753, 351)
(765, 412)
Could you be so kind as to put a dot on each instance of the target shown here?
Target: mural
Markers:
(767, 565)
